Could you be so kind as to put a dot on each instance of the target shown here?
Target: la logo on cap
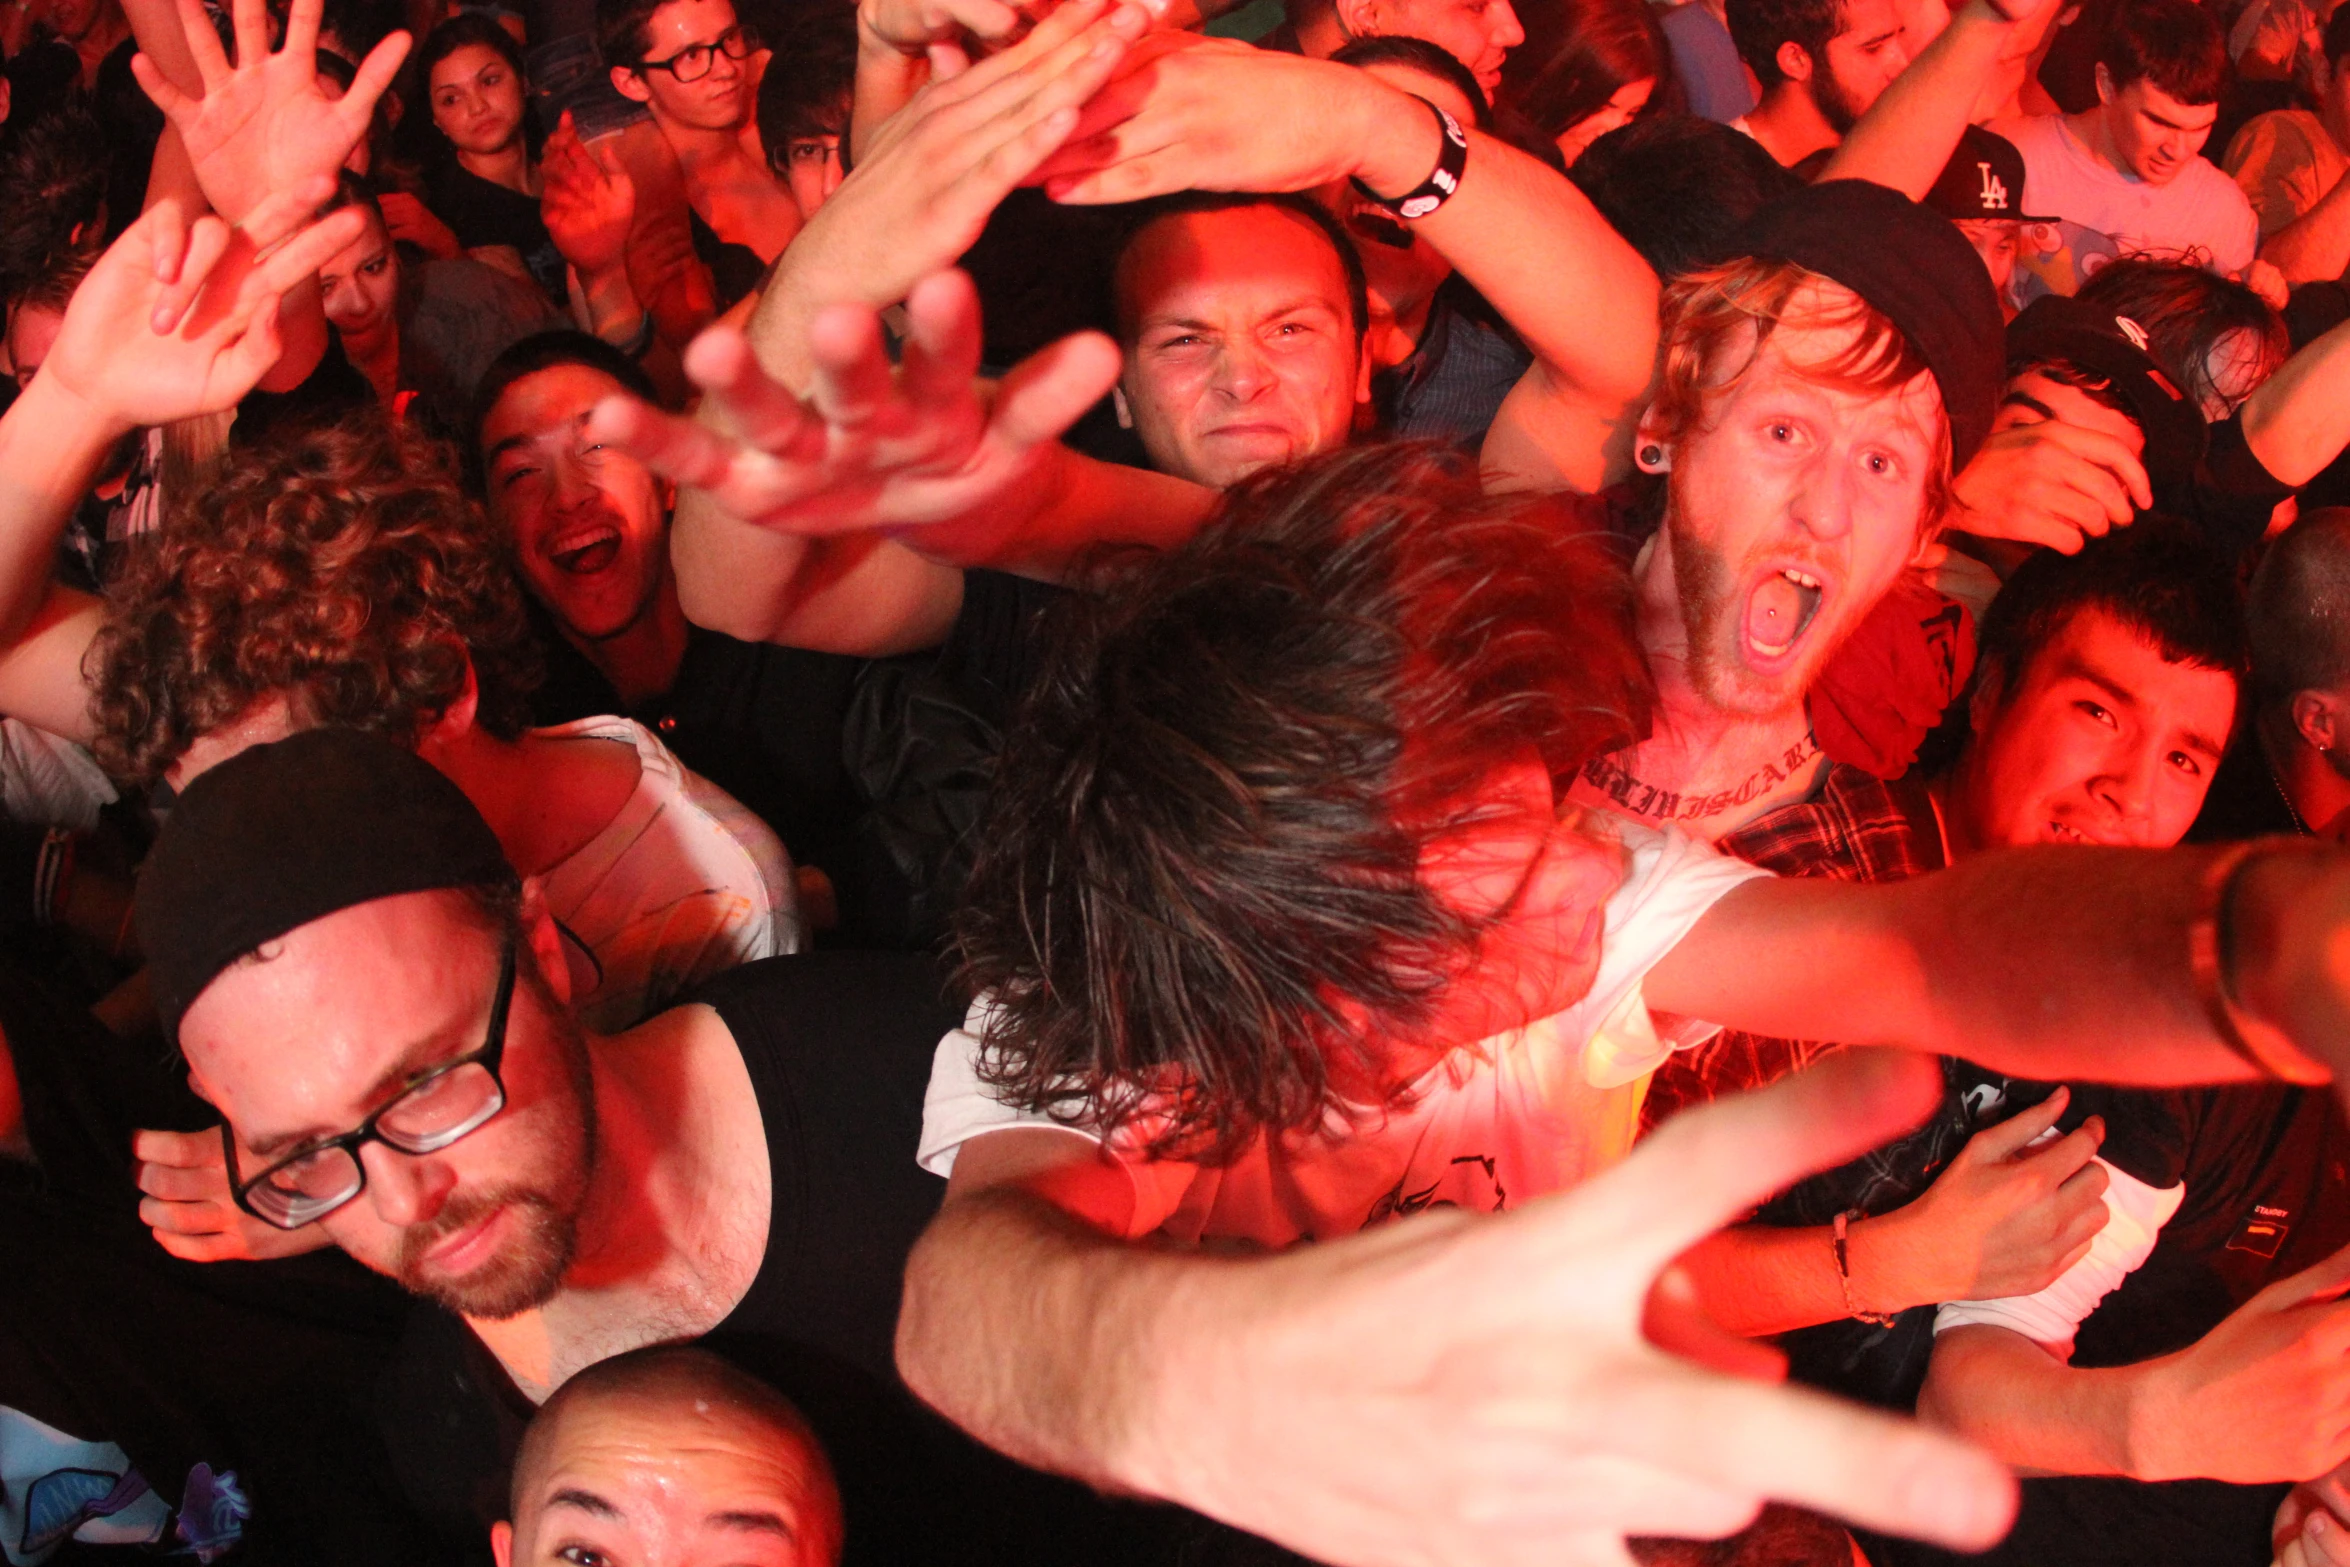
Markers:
(1994, 192)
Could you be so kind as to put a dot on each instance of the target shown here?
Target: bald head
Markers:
(671, 1457)
(2300, 610)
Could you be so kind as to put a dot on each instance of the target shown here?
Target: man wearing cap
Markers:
(379, 1009)
(1981, 190)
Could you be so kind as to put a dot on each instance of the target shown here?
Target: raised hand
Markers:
(586, 199)
(1192, 113)
(186, 1201)
(925, 183)
(177, 320)
(263, 125)
(2004, 1220)
(1520, 1415)
(870, 448)
(2050, 483)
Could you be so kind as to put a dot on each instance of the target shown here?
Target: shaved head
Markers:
(675, 1457)
(2300, 609)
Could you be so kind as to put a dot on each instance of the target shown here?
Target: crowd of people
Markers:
(1374, 782)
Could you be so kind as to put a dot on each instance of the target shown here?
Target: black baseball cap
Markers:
(1912, 265)
(1982, 182)
(2113, 348)
(290, 832)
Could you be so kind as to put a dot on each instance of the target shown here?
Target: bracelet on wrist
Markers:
(2212, 961)
(1839, 1240)
(1452, 156)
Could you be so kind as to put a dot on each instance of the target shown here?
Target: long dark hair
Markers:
(1578, 54)
(1198, 884)
(460, 30)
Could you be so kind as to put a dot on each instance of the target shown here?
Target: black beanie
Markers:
(1914, 266)
(290, 832)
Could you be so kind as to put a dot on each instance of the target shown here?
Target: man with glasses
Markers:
(692, 64)
(378, 1007)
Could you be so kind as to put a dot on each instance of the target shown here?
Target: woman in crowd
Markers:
(2215, 337)
(1586, 67)
(486, 189)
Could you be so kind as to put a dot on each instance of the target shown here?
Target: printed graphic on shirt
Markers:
(1470, 1181)
(2263, 1232)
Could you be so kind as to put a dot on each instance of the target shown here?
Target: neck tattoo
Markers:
(1635, 797)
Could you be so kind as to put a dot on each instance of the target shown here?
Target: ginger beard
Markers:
(537, 1224)
(1755, 638)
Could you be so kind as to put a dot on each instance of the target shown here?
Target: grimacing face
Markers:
(721, 101)
(650, 1482)
(2102, 740)
(589, 524)
(1859, 63)
(477, 99)
(1242, 350)
(328, 1023)
(1792, 511)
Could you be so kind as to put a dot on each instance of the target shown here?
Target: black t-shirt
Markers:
(838, 1046)
(759, 721)
(2267, 1171)
(2244, 801)
(484, 212)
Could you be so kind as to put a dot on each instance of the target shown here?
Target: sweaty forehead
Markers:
(1225, 264)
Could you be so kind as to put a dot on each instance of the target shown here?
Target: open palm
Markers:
(263, 124)
(178, 320)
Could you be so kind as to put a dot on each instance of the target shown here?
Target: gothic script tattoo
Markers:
(1635, 798)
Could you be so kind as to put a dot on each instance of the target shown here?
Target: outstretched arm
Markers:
(842, 522)
(2050, 962)
(2299, 419)
(1449, 1388)
(175, 320)
(1205, 114)
(1909, 133)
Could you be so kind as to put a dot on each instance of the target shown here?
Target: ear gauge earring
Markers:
(1650, 457)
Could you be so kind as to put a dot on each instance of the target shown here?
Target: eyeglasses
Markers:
(436, 1110)
(693, 62)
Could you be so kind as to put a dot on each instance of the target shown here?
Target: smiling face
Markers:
(360, 286)
(1243, 351)
(721, 101)
(477, 100)
(677, 1481)
(590, 525)
(331, 1021)
(2153, 135)
(1792, 510)
(2101, 740)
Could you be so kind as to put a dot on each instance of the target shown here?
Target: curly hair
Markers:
(341, 566)
(1710, 315)
(1198, 882)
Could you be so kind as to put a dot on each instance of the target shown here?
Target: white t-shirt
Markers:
(684, 883)
(1514, 1117)
(2199, 210)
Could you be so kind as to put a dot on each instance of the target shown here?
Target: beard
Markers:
(1829, 97)
(529, 1265)
(1714, 622)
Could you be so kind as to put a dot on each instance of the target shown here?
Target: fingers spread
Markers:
(760, 410)
(943, 338)
(1052, 388)
(678, 449)
(853, 382)
(1791, 1444)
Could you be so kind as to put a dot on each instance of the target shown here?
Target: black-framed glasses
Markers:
(428, 1115)
(693, 62)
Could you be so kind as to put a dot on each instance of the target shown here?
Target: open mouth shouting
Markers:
(1780, 609)
(584, 551)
